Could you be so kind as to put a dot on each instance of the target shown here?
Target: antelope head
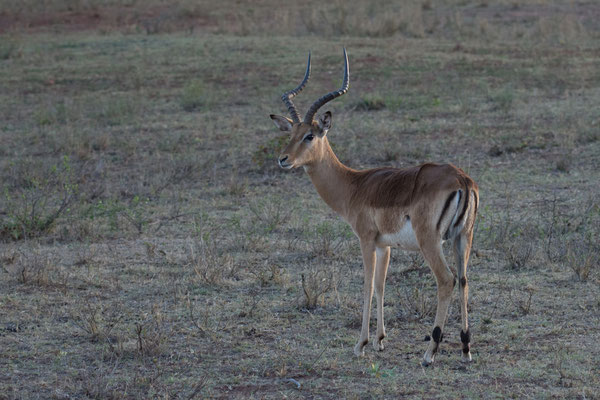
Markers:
(308, 141)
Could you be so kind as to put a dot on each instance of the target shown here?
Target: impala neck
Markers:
(331, 179)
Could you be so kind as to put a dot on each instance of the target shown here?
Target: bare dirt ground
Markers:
(151, 248)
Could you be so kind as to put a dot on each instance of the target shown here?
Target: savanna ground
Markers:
(151, 248)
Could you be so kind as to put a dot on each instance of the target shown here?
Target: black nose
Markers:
(282, 159)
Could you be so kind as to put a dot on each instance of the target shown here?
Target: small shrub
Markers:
(583, 256)
(390, 154)
(136, 214)
(522, 300)
(563, 164)
(564, 29)
(113, 112)
(516, 239)
(8, 49)
(325, 238)
(151, 333)
(36, 199)
(372, 102)
(93, 320)
(416, 303)
(36, 268)
(235, 186)
(270, 274)
(379, 372)
(209, 318)
(555, 225)
(317, 281)
(210, 264)
(504, 98)
(268, 215)
(375, 19)
(44, 116)
(376, 102)
(250, 305)
(518, 253)
(569, 238)
(170, 174)
(194, 96)
(587, 135)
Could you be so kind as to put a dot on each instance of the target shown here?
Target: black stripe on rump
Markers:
(446, 205)
(464, 210)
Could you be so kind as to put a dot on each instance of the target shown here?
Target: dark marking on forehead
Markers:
(300, 129)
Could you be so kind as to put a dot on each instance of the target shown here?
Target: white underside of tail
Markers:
(455, 230)
(456, 212)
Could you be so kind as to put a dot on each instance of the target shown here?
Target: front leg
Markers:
(368, 253)
(381, 267)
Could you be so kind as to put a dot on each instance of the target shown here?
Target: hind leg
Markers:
(462, 249)
(434, 255)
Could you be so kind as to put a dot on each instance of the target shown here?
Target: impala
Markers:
(415, 209)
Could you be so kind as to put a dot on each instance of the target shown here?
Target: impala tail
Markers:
(459, 210)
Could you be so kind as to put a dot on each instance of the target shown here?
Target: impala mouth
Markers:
(283, 162)
(285, 165)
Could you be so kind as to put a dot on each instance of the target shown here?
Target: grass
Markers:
(151, 247)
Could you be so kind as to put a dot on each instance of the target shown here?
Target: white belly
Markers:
(405, 238)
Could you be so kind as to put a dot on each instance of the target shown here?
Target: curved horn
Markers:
(330, 96)
(288, 96)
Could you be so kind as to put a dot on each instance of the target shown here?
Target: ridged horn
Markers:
(332, 95)
(288, 96)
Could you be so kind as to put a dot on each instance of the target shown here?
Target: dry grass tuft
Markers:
(317, 281)
(152, 332)
(417, 303)
(36, 197)
(209, 262)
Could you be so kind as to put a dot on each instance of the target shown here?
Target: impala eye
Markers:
(308, 138)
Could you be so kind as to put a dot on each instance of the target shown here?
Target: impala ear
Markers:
(324, 122)
(283, 123)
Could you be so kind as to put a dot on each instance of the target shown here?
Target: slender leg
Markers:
(445, 283)
(368, 253)
(381, 267)
(462, 249)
